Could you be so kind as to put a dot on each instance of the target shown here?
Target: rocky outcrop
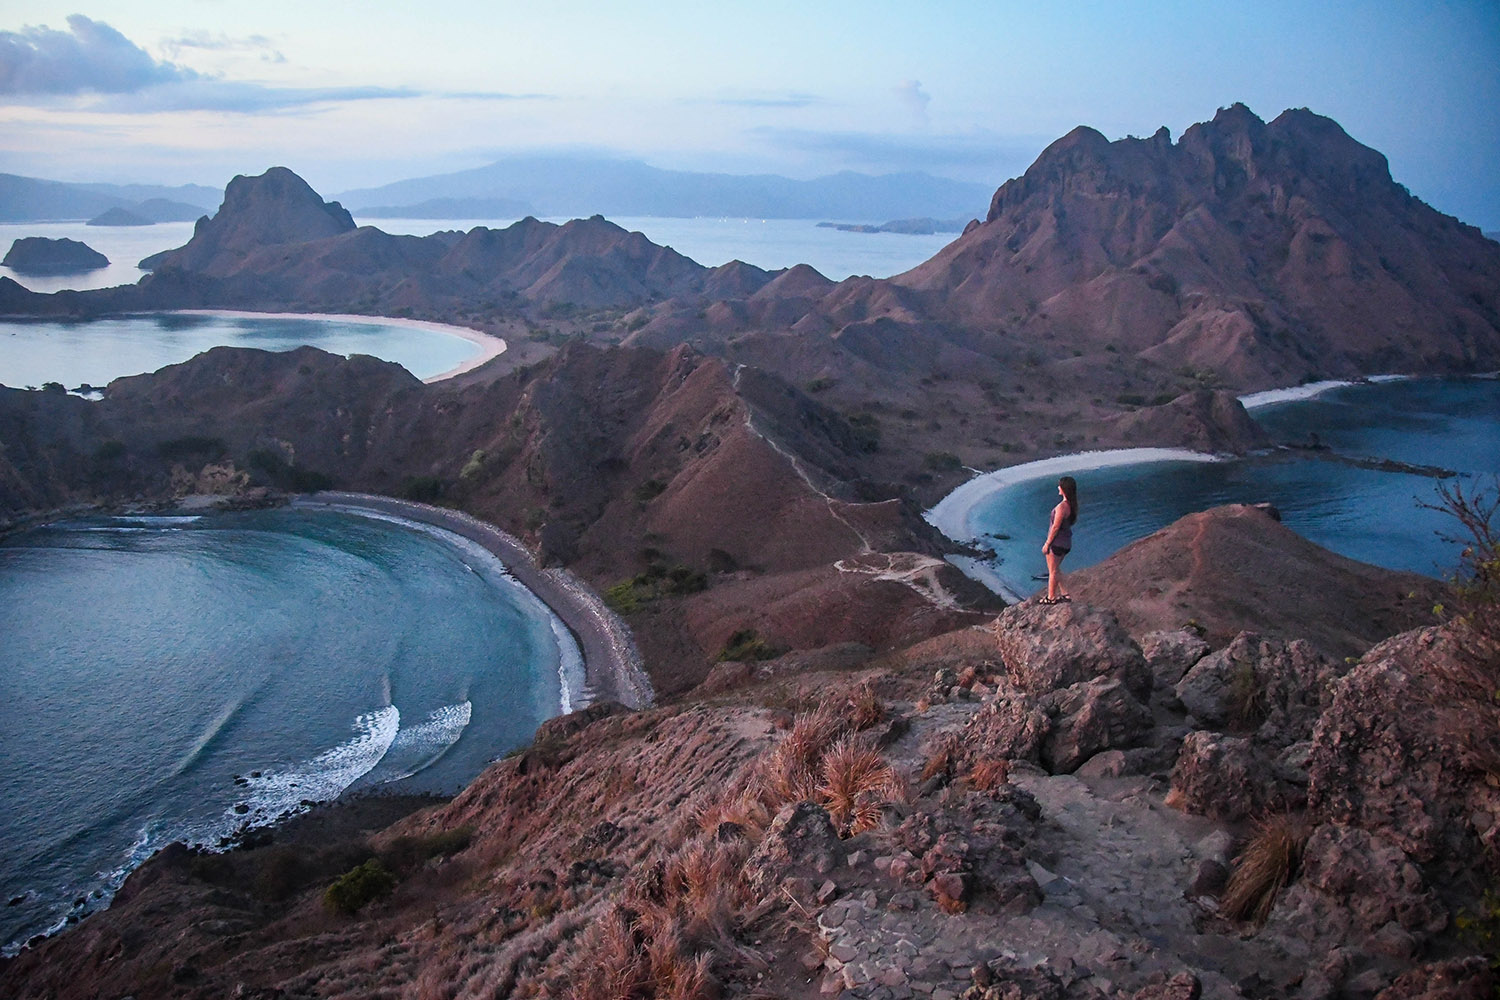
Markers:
(1170, 654)
(1385, 758)
(1047, 648)
(1232, 778)
(41, 255)
(1204, 420)
(1272, 688)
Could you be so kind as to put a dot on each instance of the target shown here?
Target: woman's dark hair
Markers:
(1070, 494)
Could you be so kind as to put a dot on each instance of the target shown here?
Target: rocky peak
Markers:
(274, 208)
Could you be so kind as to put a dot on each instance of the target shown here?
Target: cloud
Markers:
(916, 100)
(90, 57)
(258, 46)
(93, 60)
(204, 94)
(979, 155)
(788, 101)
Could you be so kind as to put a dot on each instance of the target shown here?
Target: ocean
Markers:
(1334, 496)
(94, 352)
(767, 243)
(175, 678)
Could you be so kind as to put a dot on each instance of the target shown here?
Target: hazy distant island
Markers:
(451, 208)
(42, 255)
(1234, 765)
(910, 227)
(29, 199)
(118, 216)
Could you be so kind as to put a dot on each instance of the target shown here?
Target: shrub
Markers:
(865, 431)
(209, 449)
(821, 384)
(1130, 399)
(406, 853)
(287, 476)
(1267, 865)
(1468, 689)
(358, 887)
(623, 598)
(422, 489)
(745, 645)
(109, 452)
(649, 490)
(475, 465)
(942, 461)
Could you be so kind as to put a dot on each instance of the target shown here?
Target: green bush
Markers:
(422, 489)
(357, 888)
(746, 645)
(1130, 399)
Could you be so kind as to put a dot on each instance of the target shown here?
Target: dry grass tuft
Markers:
(790, 772)
(856, 783)
(944, 759)
(1267, 865)
(989, 774)
(865, 708)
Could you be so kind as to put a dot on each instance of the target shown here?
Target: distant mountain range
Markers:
(581, 187)
(30, 199)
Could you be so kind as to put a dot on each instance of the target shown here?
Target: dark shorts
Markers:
(1059, 552)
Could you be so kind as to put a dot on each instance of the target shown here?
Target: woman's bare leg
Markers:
(1054, 563)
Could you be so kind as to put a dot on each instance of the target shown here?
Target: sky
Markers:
(356, 94)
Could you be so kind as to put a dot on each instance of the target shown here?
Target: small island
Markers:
(908, 227)
(118, 216)
(41, 255)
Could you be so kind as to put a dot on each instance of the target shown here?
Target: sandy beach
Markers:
(612, 665)
(490, 347)
(951, 514)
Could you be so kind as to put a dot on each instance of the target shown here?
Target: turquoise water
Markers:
(173, 678)
(1373, 516)
(97, 351)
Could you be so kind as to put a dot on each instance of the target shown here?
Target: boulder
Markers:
(1170, 654)
(1454, 979)
(1276, 689)
(1086, 718)
(800, 842)
(1355, 886)
(1383, 759)
(1049, 647)
(1230, 778)
(1012, 727)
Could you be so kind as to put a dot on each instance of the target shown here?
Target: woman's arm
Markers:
(1057, 520)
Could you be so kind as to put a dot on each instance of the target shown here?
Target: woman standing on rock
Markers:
(1060, 539)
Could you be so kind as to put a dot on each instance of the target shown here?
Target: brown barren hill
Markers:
(1236, 568)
